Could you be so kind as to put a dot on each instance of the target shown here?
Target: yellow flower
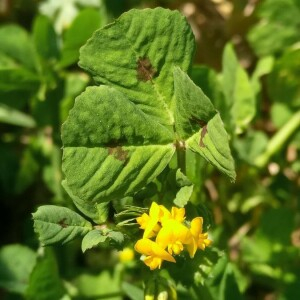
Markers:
(173, 235)
(155, 254)
(200, 240)
(150, 223)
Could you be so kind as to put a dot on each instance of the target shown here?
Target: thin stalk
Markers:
(278, 140)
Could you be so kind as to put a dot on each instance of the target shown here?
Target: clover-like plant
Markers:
(124, 131)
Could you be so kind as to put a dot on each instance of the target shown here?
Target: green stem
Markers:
(181, 162)
(278, 140)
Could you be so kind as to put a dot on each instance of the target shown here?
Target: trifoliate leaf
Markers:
(121, 136)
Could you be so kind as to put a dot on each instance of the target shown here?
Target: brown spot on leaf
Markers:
(62, 223)
(199, 122)
(145, 70)
(118, 153)
(203, 133)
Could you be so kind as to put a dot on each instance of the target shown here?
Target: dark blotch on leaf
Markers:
(118, 153)
(145, 70)
(201, 123)
(203, 133)
(62, 223)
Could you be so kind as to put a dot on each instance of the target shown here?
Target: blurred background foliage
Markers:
(247, 62)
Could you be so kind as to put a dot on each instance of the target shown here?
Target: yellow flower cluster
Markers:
(165, 235)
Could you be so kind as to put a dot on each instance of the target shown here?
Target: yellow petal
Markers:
(154, 211)
(203, 241)
(143, 220)
(150, 248)
(196, 227)
(178, 214)
(192, 248)
(151, 229)
(164, 214)
(153, 262)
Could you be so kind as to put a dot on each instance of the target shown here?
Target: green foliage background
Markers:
(246, 62)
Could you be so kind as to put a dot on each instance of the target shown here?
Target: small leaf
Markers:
(105, 285)
(16, 43)
(92, 239)
(45, 282)
(15, 117)
(27, 172)
(116, 238)
(59, 224)
(12, 79)
(229, 288)
(133, 292)
(183, 195)
(182, 180)
(45, 38)
(238, 91)
(16, 264)
(87, 21)
(278, 27)
(283, 81)
(263, 67)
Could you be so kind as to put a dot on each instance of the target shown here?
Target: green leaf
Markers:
(250, 146)
(121, 148)
(197, 120)
(216, 149)
(193, 110)
(238, 91)
(45, 282)
(75, 84)
(222, 283)
(283, 81)
(87, 21)
(137, 58)
(183, 195)
(105, 285)
(16, 264)
(280, 114)
(27, 173)
(92, 239)
(16, 44)
(15, 117)
(263, 67)
(229, 288)
(185, 191)
(181, 179)
(116, 238)
(56, 224)
(278, 27)
(45, 38)
(18, 79)
(133, 292)
(103, 211)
